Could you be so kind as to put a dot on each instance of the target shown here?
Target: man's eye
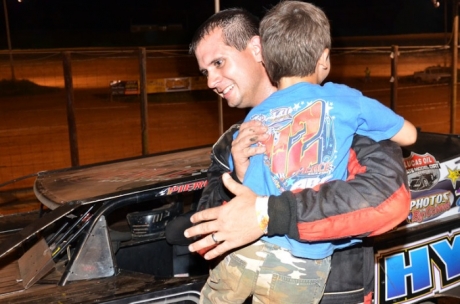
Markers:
(218, 63)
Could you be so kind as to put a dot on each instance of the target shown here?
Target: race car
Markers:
(102, 237)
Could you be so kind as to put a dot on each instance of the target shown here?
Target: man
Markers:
(374, 200)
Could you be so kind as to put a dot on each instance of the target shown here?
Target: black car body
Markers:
(103, 240)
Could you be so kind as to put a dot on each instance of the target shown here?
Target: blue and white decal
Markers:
(416, 271)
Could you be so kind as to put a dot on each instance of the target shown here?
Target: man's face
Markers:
(234, 75)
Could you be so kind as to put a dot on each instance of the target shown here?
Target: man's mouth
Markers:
(226, 90)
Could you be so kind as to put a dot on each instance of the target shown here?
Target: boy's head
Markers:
(238, 27)
(295, 40)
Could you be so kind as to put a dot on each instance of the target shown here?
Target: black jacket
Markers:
(373, 200)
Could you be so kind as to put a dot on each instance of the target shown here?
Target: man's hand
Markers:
(250, 133)
(233, 225)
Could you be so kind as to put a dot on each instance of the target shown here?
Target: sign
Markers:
(124, 87)
(418, 270)
(161, 85)
(176, 84)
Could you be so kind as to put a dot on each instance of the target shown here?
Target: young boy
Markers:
(311, 128)
(311, 125)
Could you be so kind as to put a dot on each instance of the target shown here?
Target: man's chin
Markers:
(233, 104)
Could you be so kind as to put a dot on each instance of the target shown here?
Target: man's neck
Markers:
(286, 82)
(264, 90)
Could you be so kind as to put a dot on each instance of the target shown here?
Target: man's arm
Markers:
(374, 200)
(241, 148)
(215, 193)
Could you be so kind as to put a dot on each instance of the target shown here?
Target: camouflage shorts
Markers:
(267, 272)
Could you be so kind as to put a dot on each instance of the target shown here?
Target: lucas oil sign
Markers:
(434, 189)
(411, 272)
(422, 171)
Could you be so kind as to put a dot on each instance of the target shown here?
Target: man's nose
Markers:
(213, 80)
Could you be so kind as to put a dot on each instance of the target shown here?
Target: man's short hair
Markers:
(294, 34)
(238, 27)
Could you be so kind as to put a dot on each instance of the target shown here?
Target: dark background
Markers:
(104, 23)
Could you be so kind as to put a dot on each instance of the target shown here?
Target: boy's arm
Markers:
(407, 135)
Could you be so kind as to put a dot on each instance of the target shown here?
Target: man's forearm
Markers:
(372, 202)
(214, 194)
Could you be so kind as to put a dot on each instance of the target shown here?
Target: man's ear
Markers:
(256, 48)
(324, 62)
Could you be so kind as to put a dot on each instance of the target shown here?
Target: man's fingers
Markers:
(202, 243)
(247, 144)
(217, 251)
(251, 135)
(210, 248)
(255, 150)
(200, 229)
(251, 130)
(205, 215)
(249, 124)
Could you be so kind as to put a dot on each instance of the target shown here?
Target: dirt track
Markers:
(34, 134)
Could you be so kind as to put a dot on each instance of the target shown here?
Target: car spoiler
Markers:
(165, 173)
(128, 180)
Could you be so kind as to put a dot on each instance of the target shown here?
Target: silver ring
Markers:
(214, 239)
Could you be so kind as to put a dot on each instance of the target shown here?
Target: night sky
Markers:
(78, 23)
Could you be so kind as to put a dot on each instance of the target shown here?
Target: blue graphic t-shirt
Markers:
(311, 129)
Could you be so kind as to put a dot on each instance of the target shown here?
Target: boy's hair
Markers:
(238, 27)
(294, 34)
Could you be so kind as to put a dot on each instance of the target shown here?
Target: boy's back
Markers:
(311, 126)
(311, 129)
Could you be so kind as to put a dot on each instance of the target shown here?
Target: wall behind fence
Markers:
(34, 132)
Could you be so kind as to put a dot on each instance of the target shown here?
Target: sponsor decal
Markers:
(412, 272)
(430, 205)
(183, 188)
(453, 175)
(439, 202)
(422, 171)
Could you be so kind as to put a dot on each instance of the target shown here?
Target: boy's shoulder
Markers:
(341, 88)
